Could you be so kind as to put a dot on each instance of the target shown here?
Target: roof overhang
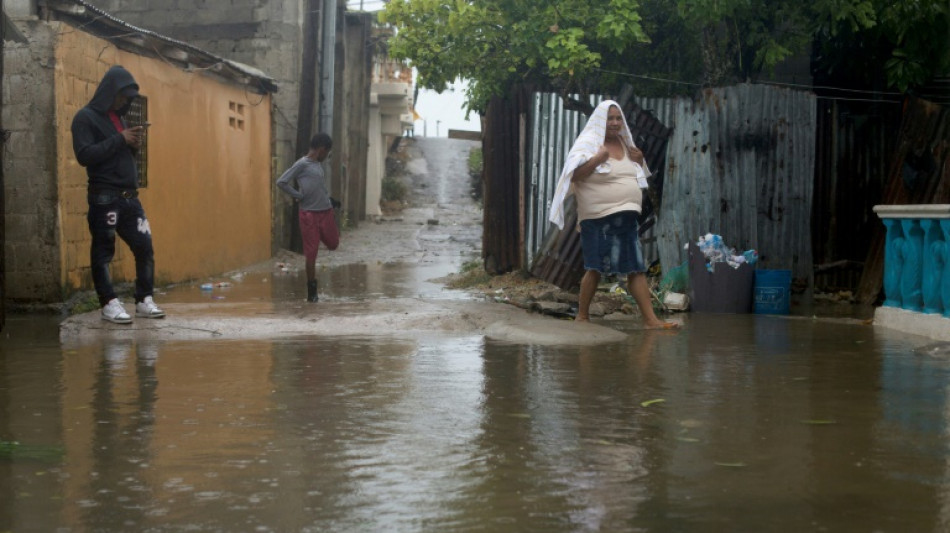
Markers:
(140, 41)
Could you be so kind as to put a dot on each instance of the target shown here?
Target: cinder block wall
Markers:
(32, 218)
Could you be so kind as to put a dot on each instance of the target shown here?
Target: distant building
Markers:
(390, 116)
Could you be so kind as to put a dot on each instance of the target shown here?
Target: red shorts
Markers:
(317, 227)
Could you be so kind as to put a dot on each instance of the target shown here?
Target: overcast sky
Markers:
(442, 112)
(439, 112)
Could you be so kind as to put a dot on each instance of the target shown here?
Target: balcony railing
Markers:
(917, 257)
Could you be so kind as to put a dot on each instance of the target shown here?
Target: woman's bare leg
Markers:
(637, 285)
(588, 288)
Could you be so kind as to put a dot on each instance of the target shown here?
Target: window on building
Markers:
(236, 116)
(138, 115)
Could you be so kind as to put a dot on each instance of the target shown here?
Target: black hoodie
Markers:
(98, 145)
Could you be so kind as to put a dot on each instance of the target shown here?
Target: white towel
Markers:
(585, 146)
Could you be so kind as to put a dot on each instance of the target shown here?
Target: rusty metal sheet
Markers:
(502, 184)
(854, 144)
(740, 164)
(919, 174)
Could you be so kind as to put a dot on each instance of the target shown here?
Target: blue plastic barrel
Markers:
(771, 292)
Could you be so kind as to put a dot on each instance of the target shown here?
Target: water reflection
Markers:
(269, 292)
(391, 280)
(736, 423)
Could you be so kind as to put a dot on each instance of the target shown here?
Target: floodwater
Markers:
(735, 423)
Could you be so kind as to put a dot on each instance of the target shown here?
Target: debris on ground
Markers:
(522, 290)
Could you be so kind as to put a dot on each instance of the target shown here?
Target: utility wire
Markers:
(780, 84)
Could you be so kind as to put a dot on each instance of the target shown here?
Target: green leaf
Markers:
(17, 451)
(595, 45)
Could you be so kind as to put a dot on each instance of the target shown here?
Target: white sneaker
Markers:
(115, 312)
(117, 355)
(147, 308)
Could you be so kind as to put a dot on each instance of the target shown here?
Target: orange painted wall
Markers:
(208, 198)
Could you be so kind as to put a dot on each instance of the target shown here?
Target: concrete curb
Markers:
(934, 326)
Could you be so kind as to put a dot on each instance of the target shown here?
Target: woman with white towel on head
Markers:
(606, 173)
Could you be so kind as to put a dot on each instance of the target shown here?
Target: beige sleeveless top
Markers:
(600, 195)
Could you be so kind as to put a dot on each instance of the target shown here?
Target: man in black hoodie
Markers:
(106, 146)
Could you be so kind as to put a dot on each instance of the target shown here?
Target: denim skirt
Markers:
(611, 244)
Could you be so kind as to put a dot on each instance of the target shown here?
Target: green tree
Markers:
(498, 43)
(907, 44)
(858, 43)
(589, 45)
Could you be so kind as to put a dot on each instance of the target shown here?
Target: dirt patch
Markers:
(526, 292)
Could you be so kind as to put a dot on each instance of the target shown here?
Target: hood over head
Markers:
(116, 80)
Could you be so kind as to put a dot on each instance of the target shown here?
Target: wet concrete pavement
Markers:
(382, 280)
(398, 405)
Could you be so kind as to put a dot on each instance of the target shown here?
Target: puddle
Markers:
(738, 422)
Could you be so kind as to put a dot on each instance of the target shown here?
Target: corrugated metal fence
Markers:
(740, 163)
(553, 130)
(504, 189)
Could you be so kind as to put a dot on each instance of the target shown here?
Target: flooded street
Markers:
(743, 423)
(734, 423)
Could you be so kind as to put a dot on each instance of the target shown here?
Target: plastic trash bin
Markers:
(771, 291)
(724, 290)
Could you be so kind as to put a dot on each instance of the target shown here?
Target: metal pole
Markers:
(3, 266)
(328, 66)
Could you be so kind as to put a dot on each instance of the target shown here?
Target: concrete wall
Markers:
(32, 235)
(357, 62)
(209, 192)
(375, 162)
(267, 34)
(208, 197)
